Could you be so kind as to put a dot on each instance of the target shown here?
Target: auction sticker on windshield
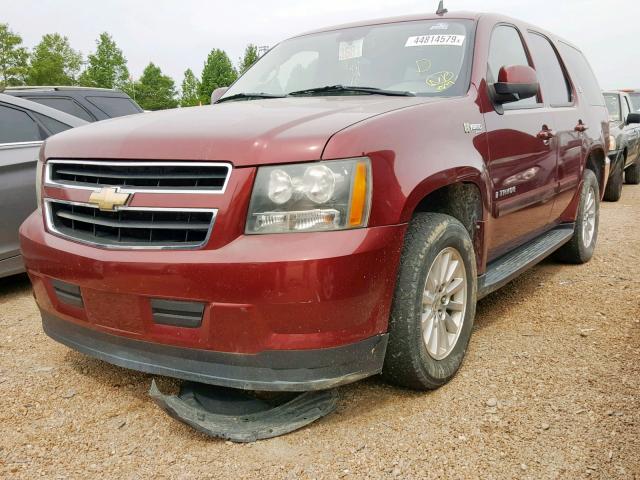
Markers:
(349, 50)
(427, 40)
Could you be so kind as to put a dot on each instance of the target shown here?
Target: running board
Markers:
(504, 269)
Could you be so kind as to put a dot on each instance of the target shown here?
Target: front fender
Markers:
(416, 150)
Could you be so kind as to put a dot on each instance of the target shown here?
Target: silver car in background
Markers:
(24, 125)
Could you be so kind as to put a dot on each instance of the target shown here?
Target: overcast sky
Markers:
(178, 34)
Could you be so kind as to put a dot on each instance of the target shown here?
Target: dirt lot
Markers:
(550, 389)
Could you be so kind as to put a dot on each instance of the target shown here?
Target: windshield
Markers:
(613, 105)
(635, 102)
(425, 57)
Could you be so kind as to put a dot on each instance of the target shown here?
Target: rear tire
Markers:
(433, 305)
(632, 174)
(585, 235)
(613, 191)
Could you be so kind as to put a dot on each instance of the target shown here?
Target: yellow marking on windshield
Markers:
(441, 80)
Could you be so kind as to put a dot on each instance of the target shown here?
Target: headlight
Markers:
(309, 197)
(612, 143)
(39, 171)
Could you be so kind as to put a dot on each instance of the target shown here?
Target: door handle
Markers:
(546, 134)
(580, 127)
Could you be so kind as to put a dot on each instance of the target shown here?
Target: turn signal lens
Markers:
(358, 195)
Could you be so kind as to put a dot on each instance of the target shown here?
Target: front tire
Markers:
(581, 246)
(613, 191)
(434, 303)
(632, 174)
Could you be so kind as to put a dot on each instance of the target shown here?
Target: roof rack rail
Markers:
(56, 87)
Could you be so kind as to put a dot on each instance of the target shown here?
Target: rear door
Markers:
(20, 140)
(557, 96)
(522, 154)
(591, 113)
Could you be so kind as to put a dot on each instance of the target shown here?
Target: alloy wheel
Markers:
(444, 302)
(589, 218)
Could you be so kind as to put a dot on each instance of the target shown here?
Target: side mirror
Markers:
(633, 118)
(217, 93)
(515, 82)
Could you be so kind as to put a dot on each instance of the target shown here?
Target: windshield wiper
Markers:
(249, 96)
(349, 89)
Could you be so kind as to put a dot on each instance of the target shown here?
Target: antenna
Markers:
(441, 10)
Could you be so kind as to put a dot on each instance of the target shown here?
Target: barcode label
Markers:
(425, 40)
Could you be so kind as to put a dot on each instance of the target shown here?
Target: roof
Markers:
(403, 18)
(43, 110)
(462, 15)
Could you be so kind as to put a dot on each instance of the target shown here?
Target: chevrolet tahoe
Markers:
(335, 214)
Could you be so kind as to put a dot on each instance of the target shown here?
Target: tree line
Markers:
(54, 62)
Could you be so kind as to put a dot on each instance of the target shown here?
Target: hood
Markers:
(615, 127)
(245, 133)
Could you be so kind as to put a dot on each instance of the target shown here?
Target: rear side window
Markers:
(64, 104)
(54, 126)
(613, 106)
(581, 74)
(115, 106)
(555, 87)
(17, 126)
(506, 49)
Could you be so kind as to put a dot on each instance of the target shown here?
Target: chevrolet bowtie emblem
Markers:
(108, 198)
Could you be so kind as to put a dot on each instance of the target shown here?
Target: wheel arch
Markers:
(427, 188)
(598, 162)
(463, 197)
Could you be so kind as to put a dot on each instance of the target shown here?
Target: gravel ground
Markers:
(550, 389)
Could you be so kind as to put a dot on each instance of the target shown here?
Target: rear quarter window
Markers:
(115, 106)
(64, 104)
(581, 74)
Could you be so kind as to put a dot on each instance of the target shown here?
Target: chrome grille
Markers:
(130, 227)
(158, 177)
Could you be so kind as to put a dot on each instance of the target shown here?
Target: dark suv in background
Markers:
(29, 115)
(90, 104)
(624, 142)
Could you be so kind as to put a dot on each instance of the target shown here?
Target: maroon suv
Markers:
(336, 214)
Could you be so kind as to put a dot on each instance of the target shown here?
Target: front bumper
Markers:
(280, 370)
(282, 312)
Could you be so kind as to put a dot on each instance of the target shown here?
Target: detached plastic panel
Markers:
(239, 416)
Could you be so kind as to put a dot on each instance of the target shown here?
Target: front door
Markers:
(522, 155)
(631, 130)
